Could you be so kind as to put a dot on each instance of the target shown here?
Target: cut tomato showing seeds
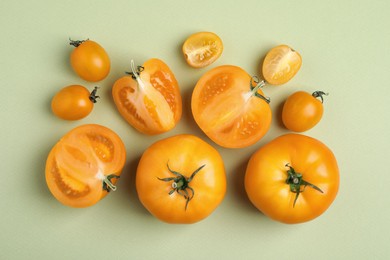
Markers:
(281, 64)
(149, 99)
(229, 109)
(84, 165)
(201, 49)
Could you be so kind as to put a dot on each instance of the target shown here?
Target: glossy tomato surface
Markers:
(181, 179)
(292, 179)
(281, 64)
(228, 108)
(84, 165)
(202, 48)
(73, 102)
(150, 99)
(90, 60)
(302, 111)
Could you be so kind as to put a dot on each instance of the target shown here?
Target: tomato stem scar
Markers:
(107, 184)
(135, 72)
(255, 87)
(76, 43)
(181, 184)
(93, 95)
(319, 94)
(295, 180)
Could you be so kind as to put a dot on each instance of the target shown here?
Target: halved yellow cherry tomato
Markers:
(202, 48)
(73, 102)
(302, 111)
(281, 64)
(150, 99)
(90, 60)
(229, 108)
(181, 179)
(84, 165)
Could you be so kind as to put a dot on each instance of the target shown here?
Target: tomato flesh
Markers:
(151, 102)
(201, 49)
(226, 109)
(281, 64)
(80, 163)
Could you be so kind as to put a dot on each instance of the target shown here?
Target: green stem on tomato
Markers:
(107, 184)
(255, 87)
(296, 181)
(319, 94)
(181, 185)
(77, 42)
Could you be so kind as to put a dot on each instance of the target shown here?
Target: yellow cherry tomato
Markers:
(281, 64)
(202, 48)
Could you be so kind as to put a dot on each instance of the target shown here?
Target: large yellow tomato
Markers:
(181, 179)
(292, 179)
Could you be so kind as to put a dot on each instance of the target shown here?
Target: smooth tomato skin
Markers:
(281, 64)
(79, 162)
(225, 109)
(301, 111)
(202, 49)
(183, 154)
(90, 61)
(72, 103)
(266, 174)
(154, 108)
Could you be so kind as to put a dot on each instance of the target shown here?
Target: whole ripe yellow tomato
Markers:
(73, 102)
(90, 60)
(302, 111)
(149, 99)
(84, 165)
(181, 179)
(230, 108)
(292, 179)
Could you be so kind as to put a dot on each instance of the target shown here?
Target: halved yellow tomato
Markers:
(84, 165)
(150, 98)
(202, 48)
(281, 64)
(229, 108)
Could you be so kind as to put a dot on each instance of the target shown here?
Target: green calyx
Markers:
(254, 87)
(107, 184)
(319, 94)
(93, 96)
(297, 183)
(180, 184)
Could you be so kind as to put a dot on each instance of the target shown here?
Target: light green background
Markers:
(345, 46)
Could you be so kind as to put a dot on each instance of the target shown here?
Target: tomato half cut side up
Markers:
(149, 98)
(281, 64)
(230, 108)
(83, 167)
(202, 48)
